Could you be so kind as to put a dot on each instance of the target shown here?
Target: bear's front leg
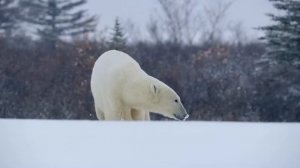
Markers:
(140, 115)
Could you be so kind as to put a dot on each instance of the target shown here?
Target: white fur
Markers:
(123, 91)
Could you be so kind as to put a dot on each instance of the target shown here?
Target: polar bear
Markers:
(123, 91)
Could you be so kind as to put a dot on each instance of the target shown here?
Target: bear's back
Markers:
(110, 71)
(113, 60)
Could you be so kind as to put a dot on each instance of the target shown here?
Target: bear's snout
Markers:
(181, 114)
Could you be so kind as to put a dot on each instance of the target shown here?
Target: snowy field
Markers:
(94, 144)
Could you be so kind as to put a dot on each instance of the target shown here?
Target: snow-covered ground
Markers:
(94, 144)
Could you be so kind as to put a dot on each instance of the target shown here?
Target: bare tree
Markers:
(185, 22)
(177, 22)
(154, 30)
(238, 34)
(133, 32)
(215, 21)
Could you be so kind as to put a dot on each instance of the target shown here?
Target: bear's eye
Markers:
(176, 100)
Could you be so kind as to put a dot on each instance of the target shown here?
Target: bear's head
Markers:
(150, 94)
(165, 101)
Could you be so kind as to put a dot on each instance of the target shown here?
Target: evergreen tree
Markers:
(8, 13)
(283, 37)
(118, 41)
(57, 18)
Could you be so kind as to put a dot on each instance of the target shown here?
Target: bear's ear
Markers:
(154, 90)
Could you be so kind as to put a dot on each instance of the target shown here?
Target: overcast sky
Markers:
(250, 12)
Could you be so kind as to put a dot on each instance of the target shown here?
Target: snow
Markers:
(94, 144)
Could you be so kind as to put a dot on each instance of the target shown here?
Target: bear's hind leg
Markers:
(113, 115)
